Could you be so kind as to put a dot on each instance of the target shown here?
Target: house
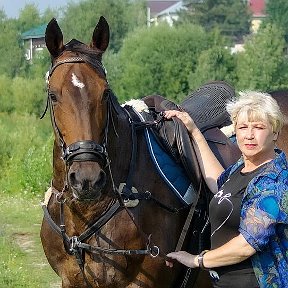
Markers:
(34, 41)
(166, 10)
(257, 8)
(163, 10)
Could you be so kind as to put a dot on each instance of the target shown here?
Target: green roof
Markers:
(37, 32)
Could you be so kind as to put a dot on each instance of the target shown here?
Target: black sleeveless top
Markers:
(224, 213)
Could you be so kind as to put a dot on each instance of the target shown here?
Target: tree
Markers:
(48, 15)
(123, 16)
(29, 17)
(262, 66)
(230, 16)
(215, 63)
(277, 13)
(12, 55)
(157, 60)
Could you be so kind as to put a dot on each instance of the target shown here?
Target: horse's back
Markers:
(281, 97)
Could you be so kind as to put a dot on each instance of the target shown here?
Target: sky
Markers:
(13, 7)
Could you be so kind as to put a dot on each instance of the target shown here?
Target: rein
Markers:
(74, 244)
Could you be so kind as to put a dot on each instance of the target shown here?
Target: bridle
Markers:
(83, 150)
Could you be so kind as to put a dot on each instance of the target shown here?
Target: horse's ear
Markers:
(54, 38)
(101, 35)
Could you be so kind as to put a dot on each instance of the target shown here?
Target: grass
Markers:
(25, 163)
(25, 154)
(22, 261)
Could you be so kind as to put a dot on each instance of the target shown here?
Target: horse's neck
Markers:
(119, 145)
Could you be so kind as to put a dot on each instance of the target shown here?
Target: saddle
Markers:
(207, 107)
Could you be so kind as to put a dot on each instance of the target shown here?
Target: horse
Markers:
(89, 235)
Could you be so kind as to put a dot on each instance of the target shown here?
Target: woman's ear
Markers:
(275, 136)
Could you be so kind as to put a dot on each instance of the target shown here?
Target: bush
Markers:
(158, 60)
(17, 91)
(26, 153)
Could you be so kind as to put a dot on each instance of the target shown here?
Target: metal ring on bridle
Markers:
(154, 251)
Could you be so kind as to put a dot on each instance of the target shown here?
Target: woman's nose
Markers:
(249, 133)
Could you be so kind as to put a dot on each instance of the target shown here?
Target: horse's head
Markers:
(77, 94)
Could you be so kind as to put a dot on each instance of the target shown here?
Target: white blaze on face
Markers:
(76, 82)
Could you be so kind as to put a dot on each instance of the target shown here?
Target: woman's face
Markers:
(255, 139)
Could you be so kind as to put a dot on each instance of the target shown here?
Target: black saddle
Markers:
(207, 107)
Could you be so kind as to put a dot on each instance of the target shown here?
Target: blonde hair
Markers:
(256, 106)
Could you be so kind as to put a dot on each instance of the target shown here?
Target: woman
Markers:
(249, 210)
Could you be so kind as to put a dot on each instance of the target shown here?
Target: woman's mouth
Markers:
(250, 146)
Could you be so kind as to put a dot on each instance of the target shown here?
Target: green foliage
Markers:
(158, 60)
(29, 17)
(215, 63)
(262, 64)
(12, 55)
(38, 67)
(17, 91)
(25, 149)
(6, 98)
(230, 16)
(81, 18)
(277, 12)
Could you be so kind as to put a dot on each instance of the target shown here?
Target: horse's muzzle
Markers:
(86, 180)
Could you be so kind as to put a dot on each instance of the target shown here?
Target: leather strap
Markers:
(188, 220)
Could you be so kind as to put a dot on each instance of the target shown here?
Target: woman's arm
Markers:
(209, 164)
(234, 251)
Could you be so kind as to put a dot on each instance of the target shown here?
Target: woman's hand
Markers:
(184, 258)
(184, 117)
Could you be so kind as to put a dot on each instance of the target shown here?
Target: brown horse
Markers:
(90, 238)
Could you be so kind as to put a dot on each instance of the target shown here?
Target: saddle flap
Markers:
(173, 136)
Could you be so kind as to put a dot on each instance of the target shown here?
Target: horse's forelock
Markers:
(83, 49)
(90, 55)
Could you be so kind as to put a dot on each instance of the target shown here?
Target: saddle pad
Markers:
(171, 172)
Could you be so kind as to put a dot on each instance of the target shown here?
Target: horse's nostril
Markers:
(100, 182)
(86, 182)
(72, 178)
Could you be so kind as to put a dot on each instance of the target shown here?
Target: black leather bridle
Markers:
(83, 150)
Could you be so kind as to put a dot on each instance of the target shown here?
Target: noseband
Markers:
(84, 150)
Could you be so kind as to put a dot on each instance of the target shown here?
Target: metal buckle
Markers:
(74, 243)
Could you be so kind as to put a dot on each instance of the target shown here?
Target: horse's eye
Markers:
(105, 94)
(53, 97)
